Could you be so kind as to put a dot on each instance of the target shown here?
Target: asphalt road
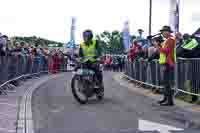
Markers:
(56, 111)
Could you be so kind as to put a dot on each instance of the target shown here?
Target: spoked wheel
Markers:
(77, 90)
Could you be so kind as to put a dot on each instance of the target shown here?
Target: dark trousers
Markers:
(108, 67)
(115, 67)
(97, 70)
(167, 80)
(120, 67)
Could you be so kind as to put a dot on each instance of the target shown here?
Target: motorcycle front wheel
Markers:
(75, 90)
(100, 94)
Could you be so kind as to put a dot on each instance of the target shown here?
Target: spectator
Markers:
(2, 49)
(167, 65)
(135, 51)
(140, 32)
(190, 47)
(8, 48)
(123, 59)
(142, 40)
(23, 48)
(153, 52)
(39, 50)
(120, 63)
(3, 41)
(26, 49)
(56, 62)
(115, 63)
(18, 49)
(30, 49)
(45, 51)
(108, 61)
(179, 39)
(34, 52)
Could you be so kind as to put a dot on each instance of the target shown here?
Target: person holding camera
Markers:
(167, 64)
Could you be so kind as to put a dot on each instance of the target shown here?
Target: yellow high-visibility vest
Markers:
(89, 51)
(163, 56)
(191, 45)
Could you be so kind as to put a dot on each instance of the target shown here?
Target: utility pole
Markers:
(150, 16)
(177, 19)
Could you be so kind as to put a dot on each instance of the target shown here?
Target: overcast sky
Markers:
(52, 18)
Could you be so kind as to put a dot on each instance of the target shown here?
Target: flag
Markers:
(126, 35)
(177, 16)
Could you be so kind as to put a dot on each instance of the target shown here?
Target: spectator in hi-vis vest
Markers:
(190, 47)
(167, 64)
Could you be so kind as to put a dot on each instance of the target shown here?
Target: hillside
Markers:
(34, 41)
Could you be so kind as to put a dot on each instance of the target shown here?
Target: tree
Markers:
(111, 42)
(35, 41)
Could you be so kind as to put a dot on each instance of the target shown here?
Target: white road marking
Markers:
(7, 130)
(6, 115)
(13, 105)
(145, 125)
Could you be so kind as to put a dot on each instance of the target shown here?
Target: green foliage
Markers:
(111, 42)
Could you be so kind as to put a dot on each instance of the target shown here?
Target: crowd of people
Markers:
(187, 46)
(114, 62)
(8, 48)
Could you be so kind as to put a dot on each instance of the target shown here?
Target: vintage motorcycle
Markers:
(85, 83)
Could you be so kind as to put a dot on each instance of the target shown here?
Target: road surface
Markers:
(56, 111)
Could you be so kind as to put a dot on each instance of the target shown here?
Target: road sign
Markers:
(145, 125)
(72, 45)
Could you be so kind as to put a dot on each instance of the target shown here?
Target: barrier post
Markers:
(157, 78)
(148, 73)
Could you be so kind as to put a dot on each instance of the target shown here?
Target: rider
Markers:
(90, 52)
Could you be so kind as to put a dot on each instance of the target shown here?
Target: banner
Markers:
(173, 15)
(126, 36)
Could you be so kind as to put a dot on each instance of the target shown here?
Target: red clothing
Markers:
(108, 60)
(135, 49)
(168, 50)
(55, 64)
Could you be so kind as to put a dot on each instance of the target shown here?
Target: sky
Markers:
(51, 19)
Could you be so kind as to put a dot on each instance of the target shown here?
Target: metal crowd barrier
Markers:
(15, 67)
(144, 72)
(186, 78)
